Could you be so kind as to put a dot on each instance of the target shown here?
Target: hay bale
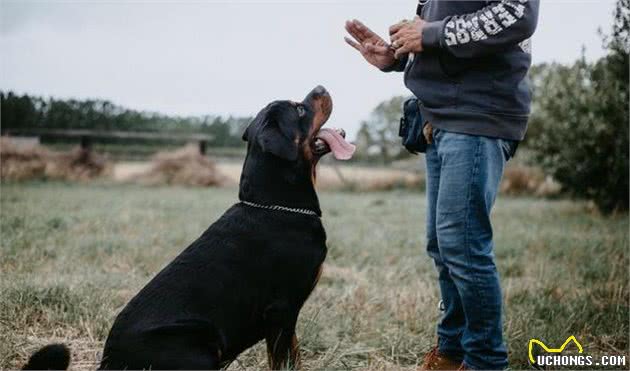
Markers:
(184, 166)
(19, 163)
(521, 180)
(78, 164)
(527, 180)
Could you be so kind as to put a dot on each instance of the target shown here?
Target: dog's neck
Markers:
(267, 181)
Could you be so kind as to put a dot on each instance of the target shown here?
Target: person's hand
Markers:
(427, 131)
(406, 36)
(371, 46)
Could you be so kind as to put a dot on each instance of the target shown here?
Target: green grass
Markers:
(72, 255)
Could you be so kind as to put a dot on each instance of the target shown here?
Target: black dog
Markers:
(246, 278)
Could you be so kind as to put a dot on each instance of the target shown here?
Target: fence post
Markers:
(202, 147)
(86, 143)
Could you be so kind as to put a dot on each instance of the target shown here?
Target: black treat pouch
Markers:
(411, 125)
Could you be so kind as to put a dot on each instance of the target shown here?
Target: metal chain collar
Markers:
(282, 208)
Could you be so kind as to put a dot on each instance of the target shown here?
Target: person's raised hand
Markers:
(371, 46)
(406, 36)
(396, 27)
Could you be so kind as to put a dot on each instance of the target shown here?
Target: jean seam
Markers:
(469, 206)
(436, 138)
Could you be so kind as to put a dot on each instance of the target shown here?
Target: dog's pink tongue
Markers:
(341, 149)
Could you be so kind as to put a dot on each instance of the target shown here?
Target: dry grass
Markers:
(359, 178)
(72, 255)
(184, 166)
(20, 163)
(329, 177)
(345, 177)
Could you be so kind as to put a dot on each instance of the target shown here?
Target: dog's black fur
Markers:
(248, 275)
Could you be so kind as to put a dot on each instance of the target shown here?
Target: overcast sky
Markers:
(210, 57)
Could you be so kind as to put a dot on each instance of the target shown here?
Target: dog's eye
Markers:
(301, 111)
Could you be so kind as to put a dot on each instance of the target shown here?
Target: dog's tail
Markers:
(50, 357)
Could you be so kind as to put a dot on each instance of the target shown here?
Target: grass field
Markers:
(72, 255)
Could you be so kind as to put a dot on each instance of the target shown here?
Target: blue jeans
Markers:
(463, 175)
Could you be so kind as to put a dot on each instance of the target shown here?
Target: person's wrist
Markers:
(386, 66)
(420, 29)
(385, 59)
(390, 66)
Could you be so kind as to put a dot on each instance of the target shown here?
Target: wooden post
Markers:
(86, 143)
(202, 147)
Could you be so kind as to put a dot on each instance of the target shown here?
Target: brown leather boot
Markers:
(436, 361)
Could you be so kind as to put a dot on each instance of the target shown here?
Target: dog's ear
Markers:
(279, 138)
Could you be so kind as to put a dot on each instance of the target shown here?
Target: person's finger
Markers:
(365, 31)
(355, 34)
(377, 49)
(398, 36)
(393, 29)
(396, 27)
(352, 31)
(404, 49)
(403, 30)
(352, 28)
(352, 43)
(361, 27)
(394, 38)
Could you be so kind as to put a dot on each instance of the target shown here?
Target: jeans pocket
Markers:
(509, 148)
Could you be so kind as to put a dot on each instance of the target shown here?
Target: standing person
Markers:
(466, 62)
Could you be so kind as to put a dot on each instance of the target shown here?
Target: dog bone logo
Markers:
(571, 338)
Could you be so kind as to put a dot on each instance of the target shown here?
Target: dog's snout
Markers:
(317, 93)
(319, 90)
(320, 102)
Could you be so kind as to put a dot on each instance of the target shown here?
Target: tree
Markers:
(579, 121)
(380, 130)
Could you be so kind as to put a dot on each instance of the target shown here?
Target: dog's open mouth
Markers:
(333, 140)
(326, 140)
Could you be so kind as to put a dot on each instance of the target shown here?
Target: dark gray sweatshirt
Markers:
(472, 75)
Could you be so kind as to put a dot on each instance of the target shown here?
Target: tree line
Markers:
(33, 112)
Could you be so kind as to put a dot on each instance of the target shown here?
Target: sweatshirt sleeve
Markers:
(398, 65)
(493, 28)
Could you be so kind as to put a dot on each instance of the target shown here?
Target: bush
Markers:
(579, 125)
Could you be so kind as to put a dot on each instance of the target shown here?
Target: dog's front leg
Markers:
(283, 350)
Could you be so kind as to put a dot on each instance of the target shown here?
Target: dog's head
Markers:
(290, 130)
(285, 142)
